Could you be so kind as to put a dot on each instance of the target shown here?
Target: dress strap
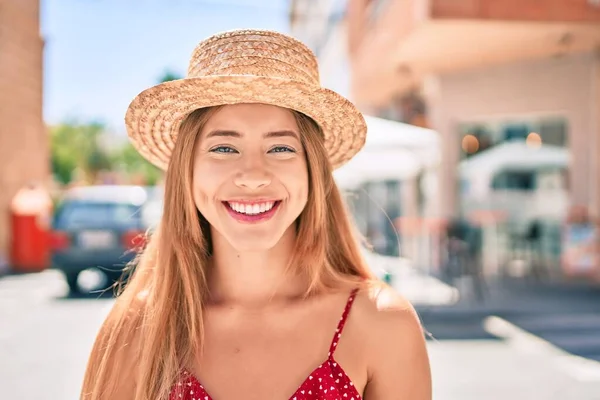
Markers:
(340, 327)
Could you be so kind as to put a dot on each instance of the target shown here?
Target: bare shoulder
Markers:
(398, 363)
(382, 307)
(389, 319)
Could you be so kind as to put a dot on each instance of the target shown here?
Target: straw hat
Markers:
(244, 66)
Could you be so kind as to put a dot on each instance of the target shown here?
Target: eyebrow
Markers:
(235, 134)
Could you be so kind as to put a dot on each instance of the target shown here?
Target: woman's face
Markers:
(250, 176)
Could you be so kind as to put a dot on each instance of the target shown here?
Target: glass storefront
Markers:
(515, 171)
(375, 206)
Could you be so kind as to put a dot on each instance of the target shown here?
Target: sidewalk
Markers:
(502, 295)
(416, 285)
(495, 370)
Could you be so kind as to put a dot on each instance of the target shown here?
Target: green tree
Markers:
(76, 145)
(128, 160)
(169, 75)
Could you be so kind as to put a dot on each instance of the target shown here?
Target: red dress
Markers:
(327, 382)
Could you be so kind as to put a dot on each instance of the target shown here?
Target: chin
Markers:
(254, 238)
(253, 244)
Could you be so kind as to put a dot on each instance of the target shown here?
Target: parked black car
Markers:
(101, 227)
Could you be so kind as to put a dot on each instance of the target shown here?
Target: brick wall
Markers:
(23, 139)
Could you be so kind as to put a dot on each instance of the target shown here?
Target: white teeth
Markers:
(252, 209)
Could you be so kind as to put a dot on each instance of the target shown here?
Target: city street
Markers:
(463, 137)
(45, 339)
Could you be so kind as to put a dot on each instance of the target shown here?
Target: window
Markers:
(81, 215)
(553, 131)
(514, 180)
(516, 132)
(476, 138)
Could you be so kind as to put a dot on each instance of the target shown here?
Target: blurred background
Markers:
(477, 191)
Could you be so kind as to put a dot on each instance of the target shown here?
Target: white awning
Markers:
(514, 155)
(393, 164)
(393, 151)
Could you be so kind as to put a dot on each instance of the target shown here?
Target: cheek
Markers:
(205, 184)
(296, 181)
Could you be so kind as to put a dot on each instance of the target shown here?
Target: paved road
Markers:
(497, 370)
(45, 340)
(567, 317)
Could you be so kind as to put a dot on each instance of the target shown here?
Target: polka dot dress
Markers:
(327, 382)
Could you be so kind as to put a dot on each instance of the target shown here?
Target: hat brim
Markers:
(154, 116)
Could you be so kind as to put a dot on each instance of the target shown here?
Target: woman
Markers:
(254, 267)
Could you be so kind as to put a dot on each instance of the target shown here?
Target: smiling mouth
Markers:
(252, 208)
(252, 211)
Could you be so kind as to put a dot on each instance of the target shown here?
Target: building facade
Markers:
(24, 155)
(375, 204)
(452, 64)
(481, 73)
(486, 63)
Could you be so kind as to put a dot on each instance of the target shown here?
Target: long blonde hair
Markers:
(156, 324)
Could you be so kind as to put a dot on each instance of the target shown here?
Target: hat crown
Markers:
(255, 53)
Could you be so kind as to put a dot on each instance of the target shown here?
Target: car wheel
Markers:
(73, 282)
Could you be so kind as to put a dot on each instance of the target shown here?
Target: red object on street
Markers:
(30, 214)
(59, 240)
(134, 240)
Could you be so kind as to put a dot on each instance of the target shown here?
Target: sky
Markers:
(100, 54)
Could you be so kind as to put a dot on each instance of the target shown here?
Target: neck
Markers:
(254, 278)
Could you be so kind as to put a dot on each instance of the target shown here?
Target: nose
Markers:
(253, 177)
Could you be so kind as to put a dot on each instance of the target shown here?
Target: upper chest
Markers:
(270, 354)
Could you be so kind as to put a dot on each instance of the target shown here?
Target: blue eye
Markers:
(223, 149)
(282, 149)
